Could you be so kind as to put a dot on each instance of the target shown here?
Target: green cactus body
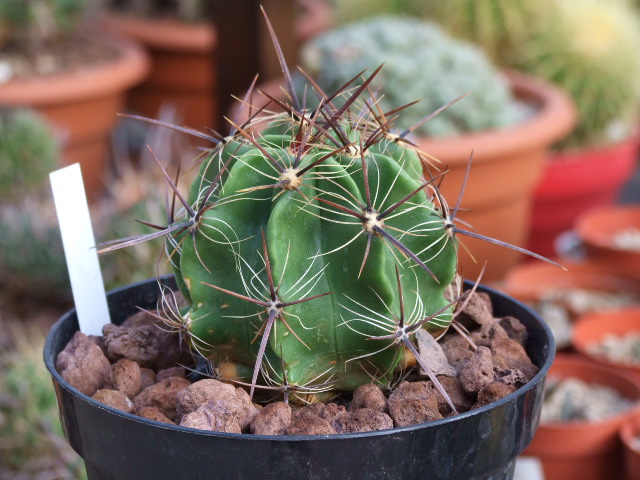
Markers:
(313, 247)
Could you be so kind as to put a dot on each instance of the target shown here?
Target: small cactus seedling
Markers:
(310, 248)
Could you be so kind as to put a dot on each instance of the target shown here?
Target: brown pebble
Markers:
(83, 364)
(126, 377)
(413, 403)
(152, 413)
(162, 395)
(212, 416)
(308, 424)
(509, 354)
(368, 396)
(114, 399)
(273, 419)
(476, 371)
(171, 372)
(493, 392)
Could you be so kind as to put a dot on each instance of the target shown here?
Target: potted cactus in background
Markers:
(508, 121)
(53, 61)
(594, 65)
(312, 258)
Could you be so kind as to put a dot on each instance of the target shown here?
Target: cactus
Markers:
(589, 49)
(28, 151)
(500, 27)
(421, 62)
(39, 20)
(309, 247)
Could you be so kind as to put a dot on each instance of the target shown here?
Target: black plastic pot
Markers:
(480, 444)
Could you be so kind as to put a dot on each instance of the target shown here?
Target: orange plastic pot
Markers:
(630, 437)
(592, 329)
(507, 165)
(531, 280)
(574, 182)
(182, 73)
(82, 105)
(584, 450)
(597, 229)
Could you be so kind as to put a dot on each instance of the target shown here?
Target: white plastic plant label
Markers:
(81, 255)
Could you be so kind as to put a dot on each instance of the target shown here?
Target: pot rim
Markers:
(554, 117)
(604, 368)
(165, 33)
(130, 66)
(543, 370)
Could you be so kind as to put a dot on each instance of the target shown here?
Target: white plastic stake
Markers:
(78, 241)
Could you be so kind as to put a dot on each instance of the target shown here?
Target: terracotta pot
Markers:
(181, 68)
(529, 281)
(82, 106)
(630, 437)
(592, 329)
(183, 58)
(500, 207)
(584, 450)
(506, 167)
(574, 182)
(597, 229)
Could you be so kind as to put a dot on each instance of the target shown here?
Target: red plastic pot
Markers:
(574, 182)
(597, 230)
(584, 450)
(592, 329)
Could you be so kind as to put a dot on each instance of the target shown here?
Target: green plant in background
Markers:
(499, 27)
(28, 152)
(347, 11)
(31, 257)
(586, 47)
(32, 444)
(184, 10)
(421, 62)
(589, 48)
(36, 21)
(309, 248)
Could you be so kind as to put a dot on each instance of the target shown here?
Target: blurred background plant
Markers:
(421, 62)
(32, 446)
(34, 287)
(37, 21)
(587, 47)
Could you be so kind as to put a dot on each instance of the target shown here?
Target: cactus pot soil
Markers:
(481, 443)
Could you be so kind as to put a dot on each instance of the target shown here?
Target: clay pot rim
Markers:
(597, 226)
(585, 426)
(630, 429)
(523, 281)
(165, 34)
(554, 118)
(608, 318)
(129, 67)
